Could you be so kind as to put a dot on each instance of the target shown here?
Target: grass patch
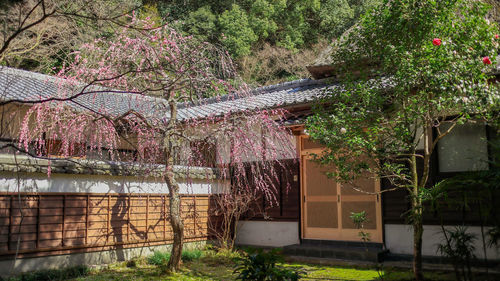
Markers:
(161, 258)
(207, 268)
(219, 265)
(195, 270)
(400, 275)
(53, 274)
(220, 258)
(321, 272)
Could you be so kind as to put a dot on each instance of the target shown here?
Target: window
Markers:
(464, 149)
(55, 149)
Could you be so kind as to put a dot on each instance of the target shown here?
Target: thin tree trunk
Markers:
(171, 143)
(177, 224)
(235, 230)
(418, 228)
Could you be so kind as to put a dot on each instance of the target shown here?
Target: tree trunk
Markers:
(418, 228)
(176, 221)
(171, 143)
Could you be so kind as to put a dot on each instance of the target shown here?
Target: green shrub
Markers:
(159, 258)
(135, 262)
(459, 248)
(53, 274)
(190, 255)
(262, 266)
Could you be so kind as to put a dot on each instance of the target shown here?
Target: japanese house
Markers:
(78, 211)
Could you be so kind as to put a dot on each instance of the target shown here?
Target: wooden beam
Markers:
(38, 222)
(64, 219)
(108, 222)
(128, 218)
(9, 237)
(147, 217)
(87, 224)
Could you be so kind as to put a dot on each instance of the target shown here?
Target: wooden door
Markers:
(357, 198)
(327, 205)
(320, 201)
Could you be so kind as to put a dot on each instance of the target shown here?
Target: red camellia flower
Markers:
(436, 41)
(496, 36)
(486, 60)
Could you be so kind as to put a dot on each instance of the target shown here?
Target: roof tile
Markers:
(30, 86)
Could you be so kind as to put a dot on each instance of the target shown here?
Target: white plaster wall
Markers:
(399, 240)
(267, 233)
(37, 182)
(283, 146)
(276, 147)
(246, 149)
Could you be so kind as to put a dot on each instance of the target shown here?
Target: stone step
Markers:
(348, 244)
(353, 253)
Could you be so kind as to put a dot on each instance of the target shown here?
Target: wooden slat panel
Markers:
(55, 221)
(49, 203)
(29, 245)
(51, 212)
(25, 203)
(32, 228)
(17, 220)
(4, 212)
(23, 237)
(5, 202)
(74, 241)
(50, 243)
(4, 238)
(31, 212)
(50, 227)
(75, 219)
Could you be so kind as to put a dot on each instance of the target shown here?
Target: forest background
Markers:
(271, 40)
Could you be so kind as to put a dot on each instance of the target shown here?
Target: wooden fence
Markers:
(41, 224)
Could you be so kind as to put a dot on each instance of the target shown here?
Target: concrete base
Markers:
(339, 250)
(11, 267)
(399, 240)
(267, 233)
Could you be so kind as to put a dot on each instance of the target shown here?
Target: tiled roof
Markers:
(30, 86)
(16, 84)
(282, 95)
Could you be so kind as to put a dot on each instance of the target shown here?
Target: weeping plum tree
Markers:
(412, 71)
(180, 72)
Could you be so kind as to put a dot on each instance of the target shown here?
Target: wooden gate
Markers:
(327, 205)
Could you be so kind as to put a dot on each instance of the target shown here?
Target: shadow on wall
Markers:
(57, 224)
